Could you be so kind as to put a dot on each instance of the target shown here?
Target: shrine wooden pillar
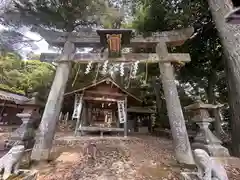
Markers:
(126, 118)
(176, 119)
(44, 138)
(85, 114)
(90, 114)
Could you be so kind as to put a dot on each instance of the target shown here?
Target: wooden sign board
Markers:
(114, 45)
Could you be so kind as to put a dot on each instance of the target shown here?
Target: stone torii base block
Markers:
(205, 139)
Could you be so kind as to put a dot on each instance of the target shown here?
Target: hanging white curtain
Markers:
(121, 111)
(78, 103)
(77, 106)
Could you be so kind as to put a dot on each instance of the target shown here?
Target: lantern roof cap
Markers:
(200, 105)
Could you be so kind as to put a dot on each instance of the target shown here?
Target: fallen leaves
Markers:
(132, 158)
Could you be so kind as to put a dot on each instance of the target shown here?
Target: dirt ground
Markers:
(134, 158)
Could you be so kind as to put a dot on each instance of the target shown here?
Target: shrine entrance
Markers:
(102, 107)
(100, 117)
(103, 114)
(115, 46)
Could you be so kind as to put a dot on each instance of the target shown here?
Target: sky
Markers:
(42, 44)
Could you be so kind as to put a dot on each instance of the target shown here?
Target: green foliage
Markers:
(202, 74)
(56, 14)
(203, 78)
(154, 15)
(25, 76)
(11, 89)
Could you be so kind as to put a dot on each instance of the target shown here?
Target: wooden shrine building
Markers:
(102, 111)
(12, 104)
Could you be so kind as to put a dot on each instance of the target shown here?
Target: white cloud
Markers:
(2, 27)
(42, 44)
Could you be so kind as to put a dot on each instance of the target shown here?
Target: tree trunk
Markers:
(210, 89)
(218, 123)
(212, 79)
(45, 136)
(230, 37)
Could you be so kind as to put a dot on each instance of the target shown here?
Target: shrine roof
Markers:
(100, 82)
(201, 105)
(12, 97)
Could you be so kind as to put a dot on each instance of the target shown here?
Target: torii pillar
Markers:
(181, 142)
(43, 144)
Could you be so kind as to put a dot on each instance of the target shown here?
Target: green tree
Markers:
(203, 78)
(25, 76)
(230, 39)
(206, 68)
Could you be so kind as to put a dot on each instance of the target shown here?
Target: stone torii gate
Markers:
(69, 42)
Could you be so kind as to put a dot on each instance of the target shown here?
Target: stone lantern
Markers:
(205, 139)
(25, 133)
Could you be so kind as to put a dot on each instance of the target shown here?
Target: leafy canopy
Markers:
(64, 15)
(25, 76)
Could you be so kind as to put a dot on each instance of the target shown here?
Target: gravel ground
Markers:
(132, 158)
(117, 158)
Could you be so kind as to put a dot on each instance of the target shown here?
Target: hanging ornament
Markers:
(129, 78)
(89, 67)
(98, 68)
(122, 69)
(146, 74)
(104, 70)
(134, 70)
(75, 79)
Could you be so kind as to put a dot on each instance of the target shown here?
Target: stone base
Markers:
(216, 150)
(30, 175)
(25, 175)
(143, 130)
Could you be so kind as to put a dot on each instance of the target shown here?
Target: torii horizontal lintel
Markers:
(126, 58)
(92, 39)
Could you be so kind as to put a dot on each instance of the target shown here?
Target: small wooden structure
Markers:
(11, 104)
(100, 108)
